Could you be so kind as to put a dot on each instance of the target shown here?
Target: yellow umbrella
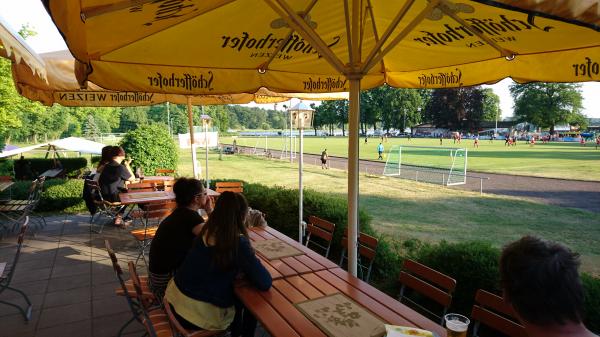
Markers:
(228, 46)
(62, 87)
(15, 49)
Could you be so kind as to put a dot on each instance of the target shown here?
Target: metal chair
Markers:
(143, 236)
(104, 207)
(12, 212)
(429, 283)
(6, 277)
(154, 319)
(367, 249)
(492, 311)
(321, 230)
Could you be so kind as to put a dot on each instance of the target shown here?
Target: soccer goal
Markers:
(438, 165)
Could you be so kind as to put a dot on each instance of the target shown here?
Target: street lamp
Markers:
(301, 116)
(206, 120)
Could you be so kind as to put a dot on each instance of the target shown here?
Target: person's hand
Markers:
(127, 162)
(209, 205)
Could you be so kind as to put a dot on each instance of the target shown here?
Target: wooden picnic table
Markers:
(5, 184)
(276, 311)
(308, 262)
(52, 173)
(129, 198)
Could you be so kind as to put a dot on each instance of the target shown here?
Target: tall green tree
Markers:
(456, 108)
(548, 104)
(491, 105)
(132, 118)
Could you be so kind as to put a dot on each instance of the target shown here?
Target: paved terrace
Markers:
(66, 272)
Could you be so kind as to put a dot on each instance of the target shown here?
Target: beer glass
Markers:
(456, 325)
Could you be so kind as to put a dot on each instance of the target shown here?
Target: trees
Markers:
(548, 104)
(457, 108)
(491, 105)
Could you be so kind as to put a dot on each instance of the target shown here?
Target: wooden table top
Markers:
(276, 311)
(5, 184)
(157, 178)
(53, 173)
(308, 262)
(150, 197)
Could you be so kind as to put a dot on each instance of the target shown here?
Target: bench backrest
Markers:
(428, 282)
(367, 245)
(229, 186)
(494, 312)
(141, 187)
(164, 171)
(321, 229)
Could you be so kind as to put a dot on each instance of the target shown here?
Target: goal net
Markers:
(438, 165)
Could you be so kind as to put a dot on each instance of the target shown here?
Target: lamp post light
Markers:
(301, 116)
(206, 121)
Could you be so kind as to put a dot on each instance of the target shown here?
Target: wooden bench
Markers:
(322, 230)
(367, 249)
(427, 282)
(229, 186)
(492, 311)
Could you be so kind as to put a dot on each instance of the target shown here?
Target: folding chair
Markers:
(429, 283)
(154, 320)
(104, 207)
(6, 277)
(367, 249)
(12, 212)
(492, 311)
(322, 231)
(144, 236)
(180, 331)
(229, 186)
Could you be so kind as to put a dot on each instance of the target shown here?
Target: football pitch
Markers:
(553, 160)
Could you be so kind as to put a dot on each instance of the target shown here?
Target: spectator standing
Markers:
(324, 158)
(380, 150)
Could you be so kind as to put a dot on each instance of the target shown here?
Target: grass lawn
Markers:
(404, 209)
(557, 160)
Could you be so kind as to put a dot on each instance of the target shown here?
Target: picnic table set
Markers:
(311, 295)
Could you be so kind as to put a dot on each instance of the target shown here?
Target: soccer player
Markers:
(380, 151)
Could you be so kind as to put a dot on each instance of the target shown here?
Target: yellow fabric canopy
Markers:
(15, 49)
(227, 46)
(62, 87)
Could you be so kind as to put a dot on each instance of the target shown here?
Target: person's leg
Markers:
(244, 323)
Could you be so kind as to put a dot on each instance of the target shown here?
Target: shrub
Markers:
(591, 287)
(150, 147)
(473, 264)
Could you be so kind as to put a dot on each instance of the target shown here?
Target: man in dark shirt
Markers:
(176, 233)
(114, 175)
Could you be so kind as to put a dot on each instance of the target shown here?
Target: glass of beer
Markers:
(456, 325)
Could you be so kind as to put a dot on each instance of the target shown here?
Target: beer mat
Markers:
(404, 331)
(273, 249)
(338, 316)
(146, 195)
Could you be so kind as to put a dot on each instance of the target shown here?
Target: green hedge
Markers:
(73, 167)
(151, 147)
(60, 195)
(592, 302)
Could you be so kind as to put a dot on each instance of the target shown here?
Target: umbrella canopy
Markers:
(305, 46)
(15, 49)
(62, 87)
(228, 46)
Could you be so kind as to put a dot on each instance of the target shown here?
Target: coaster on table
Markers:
(403, 331)
(338, 316)
(273, 249)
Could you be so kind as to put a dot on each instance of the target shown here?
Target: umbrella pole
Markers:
(192, 145)
(353, 139)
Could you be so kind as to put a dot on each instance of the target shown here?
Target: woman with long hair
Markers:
(201, 293)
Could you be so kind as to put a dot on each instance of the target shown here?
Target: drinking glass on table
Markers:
(456, 325)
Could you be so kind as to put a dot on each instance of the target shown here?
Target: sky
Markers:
(18, 13)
